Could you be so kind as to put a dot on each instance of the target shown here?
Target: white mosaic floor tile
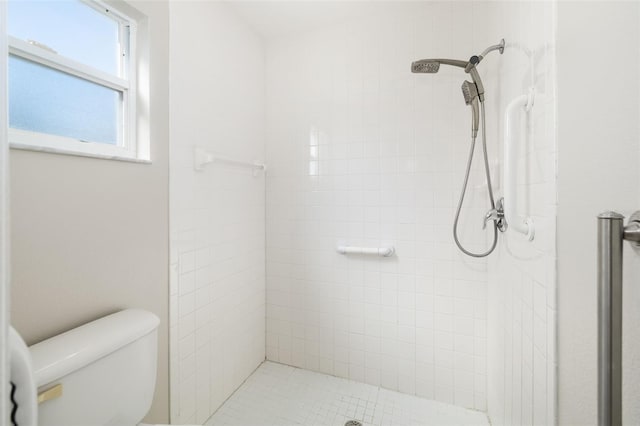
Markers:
(280, 395)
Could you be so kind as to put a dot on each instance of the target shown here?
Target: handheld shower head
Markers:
(470, 93)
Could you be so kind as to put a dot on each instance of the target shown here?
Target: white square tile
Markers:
(349, 161)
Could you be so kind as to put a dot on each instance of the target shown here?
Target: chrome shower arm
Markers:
(499, 46)
(476, 59)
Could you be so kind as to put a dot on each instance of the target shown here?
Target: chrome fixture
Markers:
(499, 46)
(497, 215)
(473, 92)
(611, 233)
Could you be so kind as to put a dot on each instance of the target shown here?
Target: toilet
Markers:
(102, 373)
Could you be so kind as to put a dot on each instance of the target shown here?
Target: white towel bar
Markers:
(202, 157)
(378, 251)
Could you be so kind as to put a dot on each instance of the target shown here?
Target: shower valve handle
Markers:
(497, 215)
(491, 215)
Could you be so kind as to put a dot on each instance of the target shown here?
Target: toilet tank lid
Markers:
(62, 354)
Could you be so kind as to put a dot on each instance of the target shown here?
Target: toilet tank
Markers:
(105, 370)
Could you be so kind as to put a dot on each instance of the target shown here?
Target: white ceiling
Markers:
(271, 18)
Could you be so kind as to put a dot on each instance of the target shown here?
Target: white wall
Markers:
(4, 225)
(363, 152)
(521, 278)
(217, 215)
(598, 68)
(90, 237)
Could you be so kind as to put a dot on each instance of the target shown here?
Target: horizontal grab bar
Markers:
(378, 251)
(202, 157)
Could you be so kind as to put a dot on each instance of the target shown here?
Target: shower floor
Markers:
(280, 395)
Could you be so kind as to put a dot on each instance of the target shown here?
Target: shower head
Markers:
(431, 66)
(470, 93)
(425, 66)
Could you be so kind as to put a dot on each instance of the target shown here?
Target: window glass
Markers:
(71, 28)
(45, 100)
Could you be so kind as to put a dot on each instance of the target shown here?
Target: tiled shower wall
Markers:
(362, 152)
(522, 274)
(217, 309)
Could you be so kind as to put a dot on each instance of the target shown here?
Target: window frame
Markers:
(127, 147)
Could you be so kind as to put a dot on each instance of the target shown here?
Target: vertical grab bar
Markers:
(611, 233)
(510, 165)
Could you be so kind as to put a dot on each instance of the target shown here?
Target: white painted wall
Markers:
(4, 224)
(363, 152)
(90, 237)
(217, 216)
(521, 278)
(598, 110)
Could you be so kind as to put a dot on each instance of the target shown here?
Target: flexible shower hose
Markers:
(464, 190)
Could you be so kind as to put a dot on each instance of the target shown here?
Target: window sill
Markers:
(41, 142)
(59, 151)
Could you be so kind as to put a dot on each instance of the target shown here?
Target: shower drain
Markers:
(353, 423)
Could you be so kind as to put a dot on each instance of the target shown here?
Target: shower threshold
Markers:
(280, 395)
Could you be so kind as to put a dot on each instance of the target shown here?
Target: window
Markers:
(72, 78)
